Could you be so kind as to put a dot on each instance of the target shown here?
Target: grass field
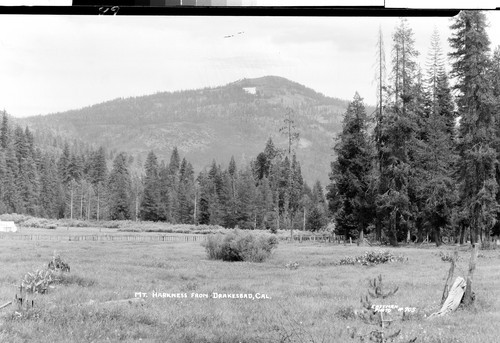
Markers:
(312, 303)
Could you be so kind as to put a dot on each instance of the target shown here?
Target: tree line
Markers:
(269, 193)
(425, 165)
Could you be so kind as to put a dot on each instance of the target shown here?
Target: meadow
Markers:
(312, 303)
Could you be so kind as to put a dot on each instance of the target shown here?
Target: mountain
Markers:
(207, 124)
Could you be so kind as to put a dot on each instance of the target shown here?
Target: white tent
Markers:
(7, 226)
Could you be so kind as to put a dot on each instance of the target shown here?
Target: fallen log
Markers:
(454, 298)
(5, 305)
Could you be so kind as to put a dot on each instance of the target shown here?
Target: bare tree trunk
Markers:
(81, 202)
(396, 94)
(462, 234)
(195, 203)
(136, 206)
(360, 238)
(468, 297)
(304, 224)
(88, 203)
(71, 202)
(97, 203)
(437, 236)
(403, 74)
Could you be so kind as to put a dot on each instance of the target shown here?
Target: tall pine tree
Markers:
(476, 108)
(350, 172)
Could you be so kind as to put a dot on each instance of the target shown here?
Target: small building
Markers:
(7, 226)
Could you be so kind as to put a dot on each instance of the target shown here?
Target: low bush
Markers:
(38, 281)
(373, 257)
(240, 246)
(36, 223)
(163, 227)
(111, 224)
(346, 313)
(14, 217)
(58, 264)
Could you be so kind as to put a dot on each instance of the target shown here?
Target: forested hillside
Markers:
(205, 124)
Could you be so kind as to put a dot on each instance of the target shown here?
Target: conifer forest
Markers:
(423, 165)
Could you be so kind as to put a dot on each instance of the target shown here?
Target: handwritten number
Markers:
(103, 10)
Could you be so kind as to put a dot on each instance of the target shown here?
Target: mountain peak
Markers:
(235, 119)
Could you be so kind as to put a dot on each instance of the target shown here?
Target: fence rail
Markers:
(148, 238)
(74, 238)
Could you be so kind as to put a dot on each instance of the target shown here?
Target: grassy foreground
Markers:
(312, 303)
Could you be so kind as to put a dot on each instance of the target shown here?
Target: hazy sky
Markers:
(56, 63)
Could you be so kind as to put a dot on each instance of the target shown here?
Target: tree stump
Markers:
(449, 278)
(361, 239)
(454, 298)
(468, 297)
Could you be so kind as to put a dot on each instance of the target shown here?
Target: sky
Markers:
(52, 64)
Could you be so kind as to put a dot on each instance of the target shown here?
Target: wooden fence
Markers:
(324, 239)
(149, 238)
(74, 238)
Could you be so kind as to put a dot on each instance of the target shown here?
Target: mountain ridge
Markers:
(209, 123)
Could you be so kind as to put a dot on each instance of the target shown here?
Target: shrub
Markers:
(36, 223)
(38, 281)
(346, 313)
(14, 217)
(213, 245)
(58, 264)
(240, 246)
(111, 224)
(373, 257)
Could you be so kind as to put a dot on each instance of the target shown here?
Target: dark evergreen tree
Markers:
(12, 197)
(350, 173)
(173, 185)
(404, 65)
(3, 173)
(165, 188)
(120, 189)
(495, 77)
(98, 175)
(476, 107)
(205, 198)
(4, 131)
(316, 218)
(246, 201)
(186, 193)
(150, 203)
(431, 189)
(51, 192)
(264, 205)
